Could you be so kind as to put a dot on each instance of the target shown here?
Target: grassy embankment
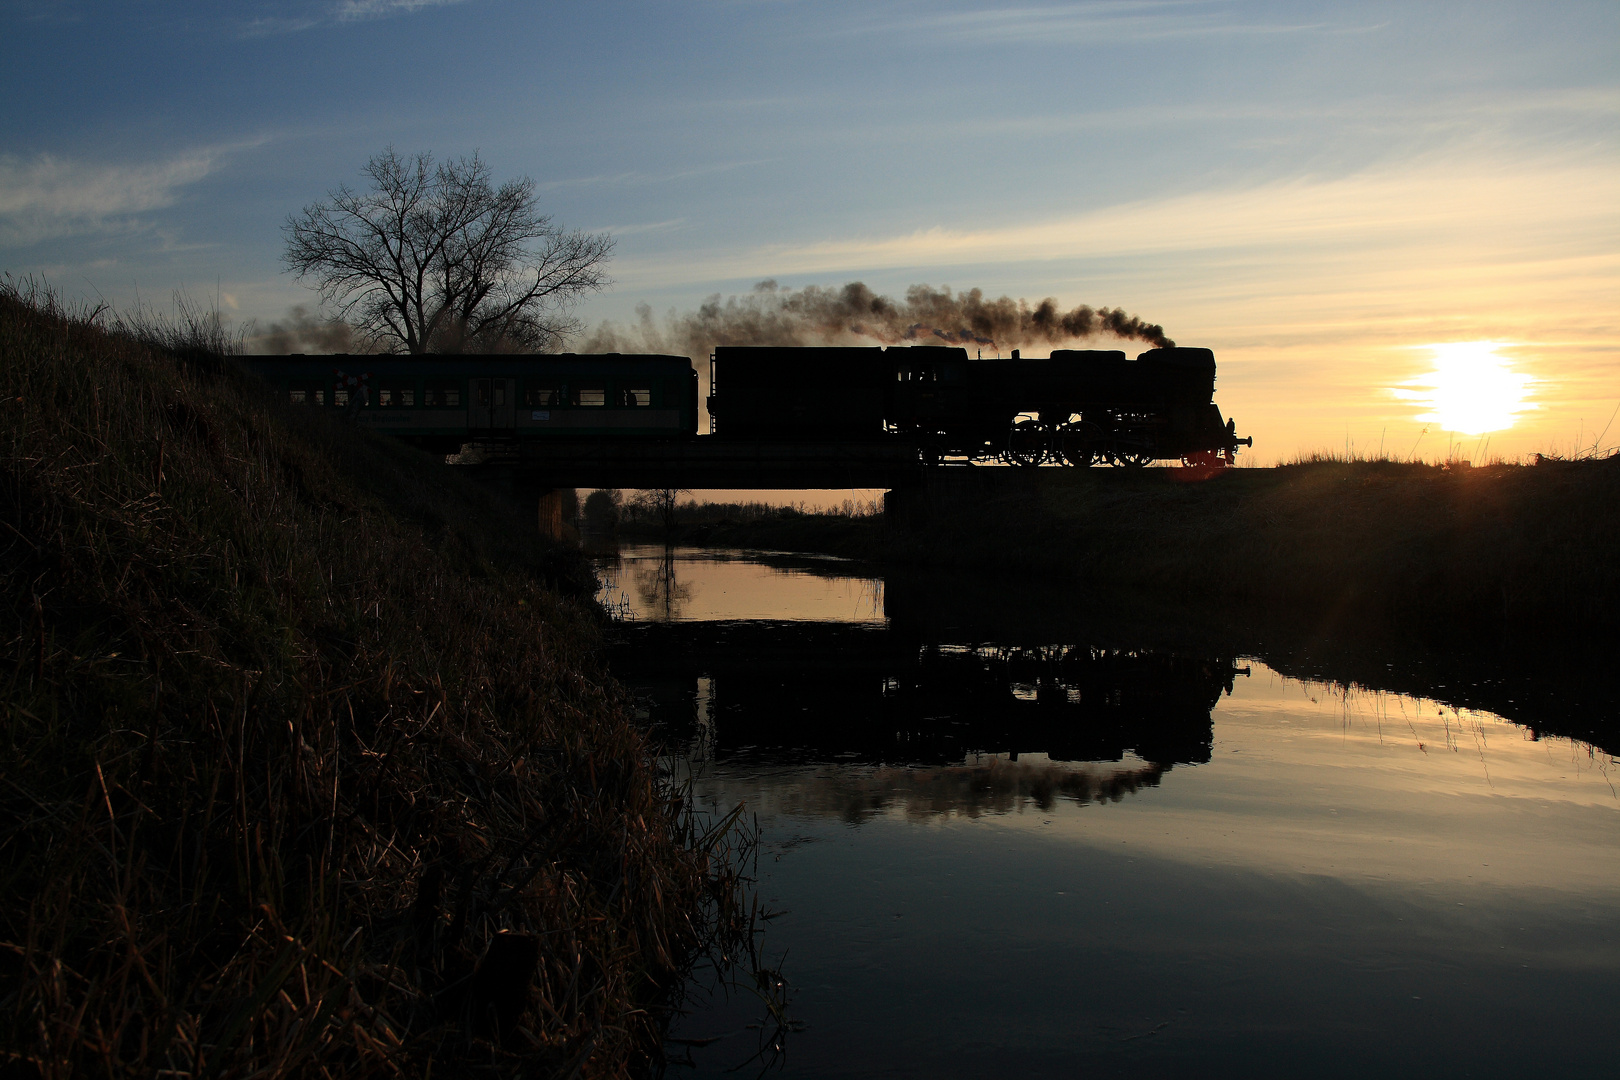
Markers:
(1534, 547)
(308, 766)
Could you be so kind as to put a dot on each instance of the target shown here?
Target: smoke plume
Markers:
(304, 332)
(855, 315)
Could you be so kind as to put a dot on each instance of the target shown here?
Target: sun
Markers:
(1471, 389)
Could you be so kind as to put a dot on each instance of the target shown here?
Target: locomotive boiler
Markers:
(1076, 407)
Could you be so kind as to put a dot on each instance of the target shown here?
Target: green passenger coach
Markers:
(441, 402)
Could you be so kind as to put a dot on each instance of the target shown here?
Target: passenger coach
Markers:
(442, 402)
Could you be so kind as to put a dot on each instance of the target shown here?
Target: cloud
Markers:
(1106, 21)
(633, 230)
(356, 10)
(343, 11)
(1433, 213)
(47, 196)
(271, 26)
(637, 178)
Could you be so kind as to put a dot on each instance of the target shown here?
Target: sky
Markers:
(1341, 199)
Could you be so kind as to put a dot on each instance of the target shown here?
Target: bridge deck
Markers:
(707, 462)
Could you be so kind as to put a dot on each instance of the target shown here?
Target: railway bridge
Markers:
(542, 470)
(698, 463)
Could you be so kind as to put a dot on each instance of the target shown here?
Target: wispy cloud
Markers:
(1387, 115)
(1434, 212)
(356, 10)
(45, 196)
(273, 25)
(1104, 20)
(343, 11)
(639, 229)
(636, 178)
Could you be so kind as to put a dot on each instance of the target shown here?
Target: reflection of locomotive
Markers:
(1076, 407)
(809, 690)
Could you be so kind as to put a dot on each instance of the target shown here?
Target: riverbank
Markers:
(311, 767)
(1470, 550)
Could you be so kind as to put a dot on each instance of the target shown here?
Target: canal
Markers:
(997, 839)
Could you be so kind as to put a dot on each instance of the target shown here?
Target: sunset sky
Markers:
(1341, 199)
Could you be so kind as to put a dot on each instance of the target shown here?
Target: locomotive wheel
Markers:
(1132, 458)
(1028, 443)
(1080, 444)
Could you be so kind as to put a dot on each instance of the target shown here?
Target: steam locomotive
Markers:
(1077, 407)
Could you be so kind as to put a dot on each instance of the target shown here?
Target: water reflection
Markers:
(979, 784)
(806, 691)
(646, 582)
(657, 587)
(1033, 833)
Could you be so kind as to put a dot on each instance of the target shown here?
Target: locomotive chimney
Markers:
(1015, 354)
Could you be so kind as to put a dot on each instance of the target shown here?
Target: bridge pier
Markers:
(558, 507)
(907, 507)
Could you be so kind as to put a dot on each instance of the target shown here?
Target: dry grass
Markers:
(308, 767)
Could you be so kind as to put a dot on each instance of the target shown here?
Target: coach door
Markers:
(493, 406)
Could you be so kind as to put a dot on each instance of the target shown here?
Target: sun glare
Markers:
(1471, 390)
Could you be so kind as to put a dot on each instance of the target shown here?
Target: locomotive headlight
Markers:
(1471, 390)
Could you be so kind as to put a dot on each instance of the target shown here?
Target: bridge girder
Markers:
(705, 463)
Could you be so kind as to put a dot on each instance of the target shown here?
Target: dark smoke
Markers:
(855, 315)
(304, 332)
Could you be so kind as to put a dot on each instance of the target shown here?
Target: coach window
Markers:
(442, 395)
(591, 396)
(635, 397)
(541, 395)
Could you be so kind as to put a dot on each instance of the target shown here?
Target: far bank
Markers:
(1520, 548)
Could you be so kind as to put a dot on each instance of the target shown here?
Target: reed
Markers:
(309, 765)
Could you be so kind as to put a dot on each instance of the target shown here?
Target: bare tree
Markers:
(436, 258)
(659, 502)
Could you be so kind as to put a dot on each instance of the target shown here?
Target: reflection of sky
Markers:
(1375, 786)
(1347, 877)
(1356, 883)
(704, 585)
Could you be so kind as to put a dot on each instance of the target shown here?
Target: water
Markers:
(996, 842)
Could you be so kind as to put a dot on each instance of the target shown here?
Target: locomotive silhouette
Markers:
(1077, 407)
